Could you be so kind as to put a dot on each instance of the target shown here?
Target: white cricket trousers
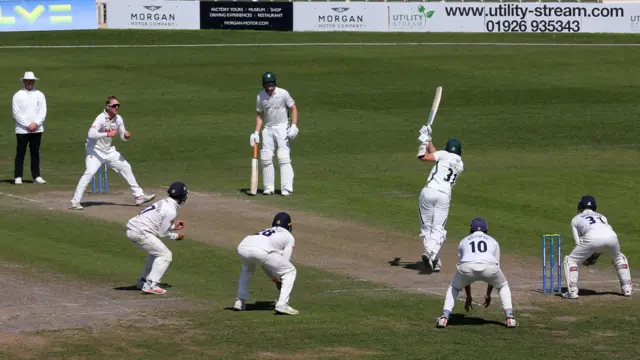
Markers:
(433, 206)
(586, 248)
(95, 159)
(159, 256)
(276, 138)
(468, 273)
(273, 264)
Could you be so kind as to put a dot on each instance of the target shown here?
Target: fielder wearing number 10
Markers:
(273, 105)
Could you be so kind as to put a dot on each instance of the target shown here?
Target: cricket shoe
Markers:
(287, 310)
(437, 266)
(627, 291)
(141, 283)
(75, 205)
(442, 322)
(267, 192)
(18, 181)
(571, 295)
(239, 305)
(153, 288)
(39, 180)
(144, 199)
(511, 322)
(427, 261)
(285, 193)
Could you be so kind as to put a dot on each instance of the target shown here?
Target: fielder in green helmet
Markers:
(435, 197)
(273, 106)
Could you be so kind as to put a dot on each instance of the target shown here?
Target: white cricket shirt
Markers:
(156, 219)
(274, 239)
(445, 172)
(29, 107)
(590, 225)
(479, 248)
(275, 108)
(97, 138)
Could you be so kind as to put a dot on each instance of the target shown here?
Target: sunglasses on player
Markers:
(114, 105)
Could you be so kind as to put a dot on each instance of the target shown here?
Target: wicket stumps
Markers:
(102, 179)
(553, 257)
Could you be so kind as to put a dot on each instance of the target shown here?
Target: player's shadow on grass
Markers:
(464, 320)
(259, 192)
(258, 306)
(102, 203)
(134, 288)
(411, 265)
(587, 292)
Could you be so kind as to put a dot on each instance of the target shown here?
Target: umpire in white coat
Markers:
(29, 112)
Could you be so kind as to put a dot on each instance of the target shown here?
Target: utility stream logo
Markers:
(411, 21)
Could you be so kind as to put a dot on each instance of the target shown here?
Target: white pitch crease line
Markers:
(110, 46)
(19, 197)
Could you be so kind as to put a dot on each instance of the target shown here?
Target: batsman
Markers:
(435, 197)
(273, 106)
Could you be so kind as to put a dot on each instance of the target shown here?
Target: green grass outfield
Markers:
(540, 126)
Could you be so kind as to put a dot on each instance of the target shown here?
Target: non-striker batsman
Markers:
(435, 197)
(273, 106)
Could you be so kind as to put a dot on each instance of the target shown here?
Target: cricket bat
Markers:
(254, 171)
(434, 106)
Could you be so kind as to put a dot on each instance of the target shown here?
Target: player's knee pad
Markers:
(570, 272)
(266, 157)
(284, 156)
(167, 256)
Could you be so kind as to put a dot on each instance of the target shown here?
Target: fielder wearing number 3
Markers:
(273, 105)
(593, 235)
(145, 230)
(272, 248)
(435, 197)
(99, 150)
(478, 260)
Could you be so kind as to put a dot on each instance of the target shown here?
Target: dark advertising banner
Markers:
(246, 15)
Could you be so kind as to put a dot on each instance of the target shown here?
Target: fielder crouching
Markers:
(478, 260)
(593, 235)
(271, 248)
(145, 229)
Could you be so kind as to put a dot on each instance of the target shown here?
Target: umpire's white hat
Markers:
(29, 75)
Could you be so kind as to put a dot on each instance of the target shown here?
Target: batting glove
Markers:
(254, 139)
(425, 134)
(292, 132)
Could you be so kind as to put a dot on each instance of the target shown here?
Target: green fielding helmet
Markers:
(269, 77)
(454, 146)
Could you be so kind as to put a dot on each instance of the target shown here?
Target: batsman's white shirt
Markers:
(274, 239)
(156, 219)
(445, 172)
(479, 248)
(97, 138)
(275, 108)
(590, 225)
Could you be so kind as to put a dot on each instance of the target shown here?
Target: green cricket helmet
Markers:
(268, 80)
(454, 146)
